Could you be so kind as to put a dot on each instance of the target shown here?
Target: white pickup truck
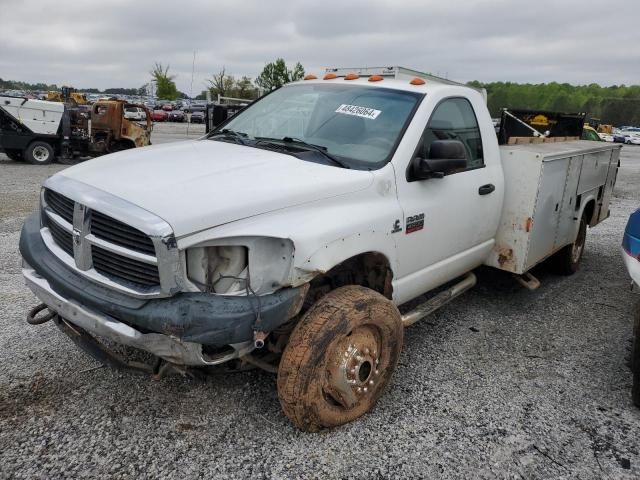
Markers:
(286, 238)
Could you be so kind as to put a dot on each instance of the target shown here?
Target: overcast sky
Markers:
(114, 43)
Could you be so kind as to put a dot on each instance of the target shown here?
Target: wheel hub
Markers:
(355, 370)
(359, 368)
(40, 153)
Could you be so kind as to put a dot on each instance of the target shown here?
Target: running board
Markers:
(439, 300)
(527, 280)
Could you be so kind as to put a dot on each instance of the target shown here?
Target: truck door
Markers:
(449, 223)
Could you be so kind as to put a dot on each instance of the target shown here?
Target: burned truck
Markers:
(39, 132)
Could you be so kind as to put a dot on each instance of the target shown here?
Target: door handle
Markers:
(486, 189)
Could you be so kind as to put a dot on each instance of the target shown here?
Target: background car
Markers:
(159, 116)
(134, 113)
(177, 116)
(619, 137)
(631, 256)
(632, 138)
(197, 107)
(197, 117)
(167, 107)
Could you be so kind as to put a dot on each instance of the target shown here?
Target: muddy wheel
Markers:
(567, 260)
(339, 358)
(39, 153)
(635, 357)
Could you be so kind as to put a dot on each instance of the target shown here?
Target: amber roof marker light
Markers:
(417, 81)
(351, 76)
(376, 78)
(329, 76)
(311, 76)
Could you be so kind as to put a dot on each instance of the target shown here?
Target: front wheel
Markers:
(339, 358)
(39, 153)
(567, 260)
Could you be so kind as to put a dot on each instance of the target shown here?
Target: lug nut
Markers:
(365, 389)
(370, 382)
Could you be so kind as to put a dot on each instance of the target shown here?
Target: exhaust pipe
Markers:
(439, 300)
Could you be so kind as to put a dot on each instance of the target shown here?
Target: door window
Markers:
(454, 119)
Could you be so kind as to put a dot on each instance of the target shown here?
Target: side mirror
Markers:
(445, 156)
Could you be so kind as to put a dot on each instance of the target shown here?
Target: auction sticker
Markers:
(364, 112)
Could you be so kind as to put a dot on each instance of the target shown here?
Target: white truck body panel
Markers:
(39, 116)
(197, 185)
(547, 187)
(459, 224)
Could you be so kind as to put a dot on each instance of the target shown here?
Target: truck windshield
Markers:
(360, 125)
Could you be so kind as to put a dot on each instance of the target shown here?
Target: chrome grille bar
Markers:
(140, 259)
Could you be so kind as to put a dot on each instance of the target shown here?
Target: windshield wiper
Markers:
(308, 146)
(237, 136)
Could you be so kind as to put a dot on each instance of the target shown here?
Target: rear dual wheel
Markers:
(339, 358)
(567, 260)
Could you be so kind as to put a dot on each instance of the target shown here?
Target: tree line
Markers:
(273, 75)
(616, 105)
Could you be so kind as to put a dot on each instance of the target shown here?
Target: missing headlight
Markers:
(218, 269)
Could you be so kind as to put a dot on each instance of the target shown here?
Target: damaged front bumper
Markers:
(191, 329)
(170, 348)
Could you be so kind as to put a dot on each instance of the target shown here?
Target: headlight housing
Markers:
(235, 266)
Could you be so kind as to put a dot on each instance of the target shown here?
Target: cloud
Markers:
(115, 43)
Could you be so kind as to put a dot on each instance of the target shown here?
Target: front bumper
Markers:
(174, 328)
(167, 347)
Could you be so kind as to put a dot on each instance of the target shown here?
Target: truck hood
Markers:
(199, 184)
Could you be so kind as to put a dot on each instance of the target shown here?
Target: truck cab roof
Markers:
(395, 77)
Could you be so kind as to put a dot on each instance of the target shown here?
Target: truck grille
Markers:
(60, 204)
(120, 267)
(114, 231)
(123, 268)
(61, 237)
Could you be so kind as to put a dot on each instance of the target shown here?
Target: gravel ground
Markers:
(503, 383)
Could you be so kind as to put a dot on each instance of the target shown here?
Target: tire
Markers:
(635, 357)
(567, 261)
(14, 154)
(39, 153)
(339, 358)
